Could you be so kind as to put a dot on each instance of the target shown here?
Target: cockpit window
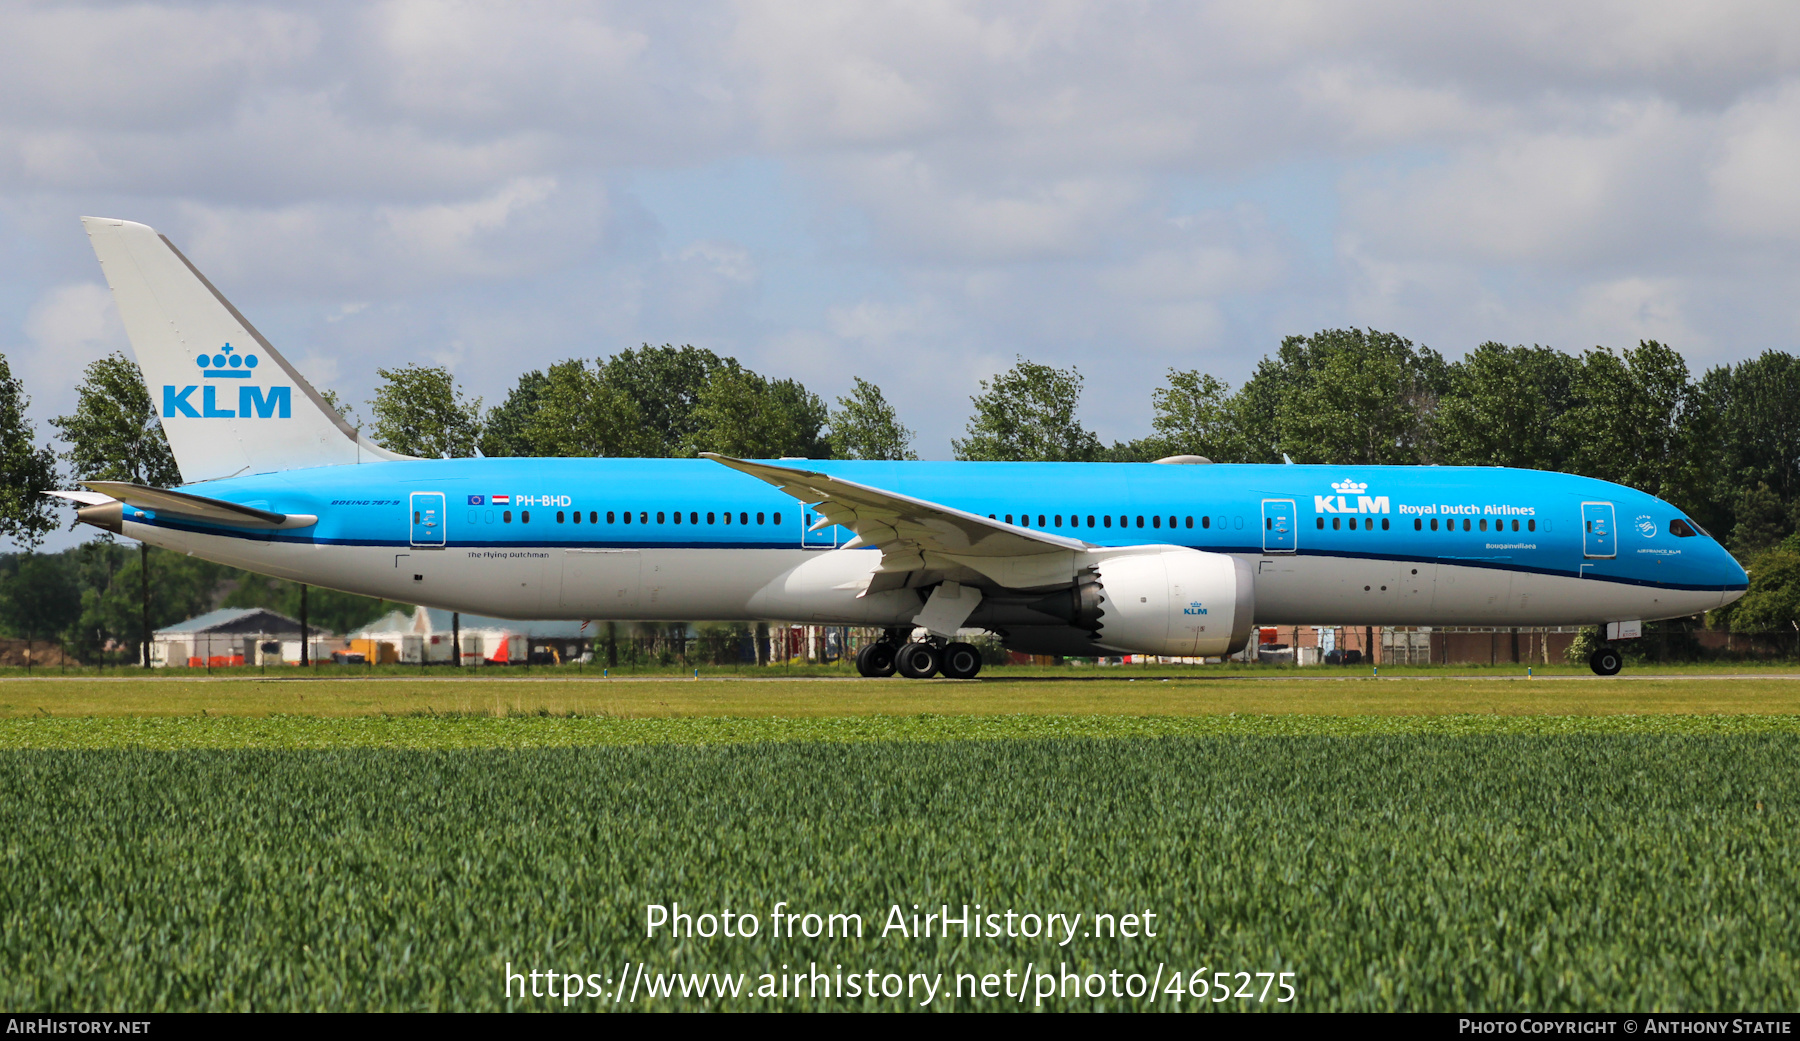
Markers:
(1682, 529)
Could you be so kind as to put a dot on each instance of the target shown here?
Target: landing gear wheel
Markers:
(961, 661)
(917, 661)
(876, 660)
(1607, 661)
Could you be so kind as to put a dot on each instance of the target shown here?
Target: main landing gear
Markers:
(918, 659)
(1606, 661)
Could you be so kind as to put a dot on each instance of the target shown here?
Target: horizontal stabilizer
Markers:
(166, 503)
(84, 498)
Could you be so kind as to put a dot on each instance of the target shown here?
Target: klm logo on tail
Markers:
(252, 402)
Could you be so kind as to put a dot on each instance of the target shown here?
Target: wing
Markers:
(923, 542)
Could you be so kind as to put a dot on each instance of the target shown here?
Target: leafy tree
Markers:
(327, 609)
(114, 581)
(1503, 407)
(578, 413)
(743, 414)
(343, 408)
(1630, 418)
(1762, 521)
(1745, 430)
(1772, 603)
(421, 412)
(865, 426)
(665, 384)
(114, 433)
(504, 432)
(1344, 396)
(1028, 413)
(1194, 416)
(27, 469)
(38, 595)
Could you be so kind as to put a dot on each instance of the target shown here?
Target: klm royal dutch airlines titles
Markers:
(1063, 558)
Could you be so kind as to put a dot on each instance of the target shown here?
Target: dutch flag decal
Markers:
(500, 500)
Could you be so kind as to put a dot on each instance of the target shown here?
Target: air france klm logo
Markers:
(252, 402)
(1347, 489)
(1194, 608)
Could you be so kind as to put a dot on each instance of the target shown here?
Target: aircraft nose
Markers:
(1732, 577)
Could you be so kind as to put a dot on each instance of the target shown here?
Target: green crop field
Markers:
(1309, 692)
(1467, 841)
(1599, 863)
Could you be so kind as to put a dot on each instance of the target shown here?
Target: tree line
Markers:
(1724, 446)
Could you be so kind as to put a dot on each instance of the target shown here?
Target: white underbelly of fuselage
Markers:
(824, 586)
(1304, 590)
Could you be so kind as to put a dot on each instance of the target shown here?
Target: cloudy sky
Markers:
(911, 192)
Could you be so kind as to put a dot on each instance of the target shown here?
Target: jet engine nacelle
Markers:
(1178, 602)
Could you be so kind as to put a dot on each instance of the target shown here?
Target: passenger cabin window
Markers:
(609, 517)
(1206, 522)
(506, 517)
(524, 516)
(1681, 529)
(559, 517)
(1531, 525)
(1419, 525)
(1321, 523)
(1108, 520)
(1335, 521)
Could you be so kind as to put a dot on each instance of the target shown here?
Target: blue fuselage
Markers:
(1492, 518)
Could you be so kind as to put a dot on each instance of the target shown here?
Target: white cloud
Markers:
(1117, 186)
(522, 227)
(68, 327)
(1753, 179)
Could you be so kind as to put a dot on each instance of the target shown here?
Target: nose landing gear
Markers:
(1606, 661)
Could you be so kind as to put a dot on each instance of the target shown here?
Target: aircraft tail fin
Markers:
(230, 403)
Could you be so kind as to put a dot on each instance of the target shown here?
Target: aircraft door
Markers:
(1278, 525)
(1599, 540)
(428, 517)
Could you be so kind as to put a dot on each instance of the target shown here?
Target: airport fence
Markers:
(674, 646)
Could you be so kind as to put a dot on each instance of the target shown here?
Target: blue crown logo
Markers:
(226, 365)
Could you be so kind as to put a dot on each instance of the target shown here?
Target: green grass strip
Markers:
(548, 731)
